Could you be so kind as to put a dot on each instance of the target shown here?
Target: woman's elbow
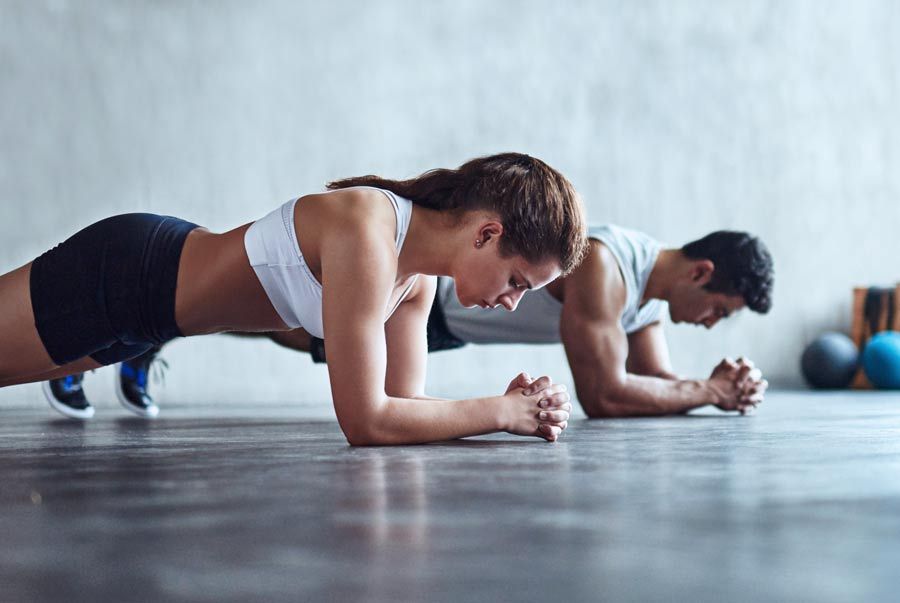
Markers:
(363, 430)
(358, 439)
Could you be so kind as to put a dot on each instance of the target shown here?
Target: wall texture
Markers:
(673, 117)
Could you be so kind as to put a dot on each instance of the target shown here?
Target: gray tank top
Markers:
(536, 320)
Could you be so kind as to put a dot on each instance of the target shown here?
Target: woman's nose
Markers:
(511, 301)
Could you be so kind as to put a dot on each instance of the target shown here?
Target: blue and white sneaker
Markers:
(67, 397)
(131, 384)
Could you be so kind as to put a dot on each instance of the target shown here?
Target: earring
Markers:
(478, 243)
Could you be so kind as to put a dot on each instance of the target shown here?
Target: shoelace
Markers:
(158, 367)
(155, 369)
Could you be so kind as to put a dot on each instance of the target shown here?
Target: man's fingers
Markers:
(744, 361)
(747, 409)
(754, 398)
(742, 375)
(754, 387)
(726, 363)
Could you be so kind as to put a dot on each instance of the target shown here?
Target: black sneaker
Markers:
(131, 384)
(66, 396)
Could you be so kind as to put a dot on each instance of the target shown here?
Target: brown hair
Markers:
(541, 213)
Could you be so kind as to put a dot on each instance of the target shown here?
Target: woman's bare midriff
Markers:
(217, 288)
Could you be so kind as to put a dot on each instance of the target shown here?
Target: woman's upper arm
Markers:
(407, 344)
(358, 272)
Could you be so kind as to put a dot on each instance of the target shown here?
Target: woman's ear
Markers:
(489, 231)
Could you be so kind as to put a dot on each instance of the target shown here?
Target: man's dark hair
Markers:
(743, 266)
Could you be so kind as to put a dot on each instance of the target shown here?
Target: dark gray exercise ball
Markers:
(830, 361)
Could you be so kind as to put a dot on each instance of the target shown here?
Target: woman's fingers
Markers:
(522, 380)
(538, 385)
(553, 416)
(549, 432)
(554, 401)
(562, 424)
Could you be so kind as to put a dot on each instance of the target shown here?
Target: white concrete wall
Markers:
(673, 117)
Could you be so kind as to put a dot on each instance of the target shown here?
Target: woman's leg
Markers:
(22, 352)
(79, 366)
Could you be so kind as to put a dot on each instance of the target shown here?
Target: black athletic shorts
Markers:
(108, 291)
(439, 336)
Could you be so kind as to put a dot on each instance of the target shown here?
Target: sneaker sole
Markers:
(62, 409)
(151, 412)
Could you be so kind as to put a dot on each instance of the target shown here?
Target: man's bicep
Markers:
(590, 324)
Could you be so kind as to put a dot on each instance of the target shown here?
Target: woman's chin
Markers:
(464, 302)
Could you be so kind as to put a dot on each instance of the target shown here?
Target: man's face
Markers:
(693, 304)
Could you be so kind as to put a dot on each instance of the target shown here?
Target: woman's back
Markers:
(265, 276)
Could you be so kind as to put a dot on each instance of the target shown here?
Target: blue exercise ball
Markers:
(881, 360)
(830, 361)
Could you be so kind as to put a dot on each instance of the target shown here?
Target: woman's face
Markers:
(485, 278)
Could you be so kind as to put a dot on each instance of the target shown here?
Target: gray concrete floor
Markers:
(800, 502)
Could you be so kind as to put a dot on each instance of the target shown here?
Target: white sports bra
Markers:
(274, 253)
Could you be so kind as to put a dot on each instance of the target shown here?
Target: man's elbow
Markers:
(599, 407)
(605, 404)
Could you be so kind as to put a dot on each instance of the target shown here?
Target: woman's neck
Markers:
(428, 244)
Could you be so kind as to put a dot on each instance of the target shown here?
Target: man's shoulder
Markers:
(597, 283)
(600, 264)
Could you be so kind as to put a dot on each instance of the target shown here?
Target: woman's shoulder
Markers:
(361, 213)
(364, 195)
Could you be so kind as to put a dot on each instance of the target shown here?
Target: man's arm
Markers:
(648, 353)
(598, 351)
